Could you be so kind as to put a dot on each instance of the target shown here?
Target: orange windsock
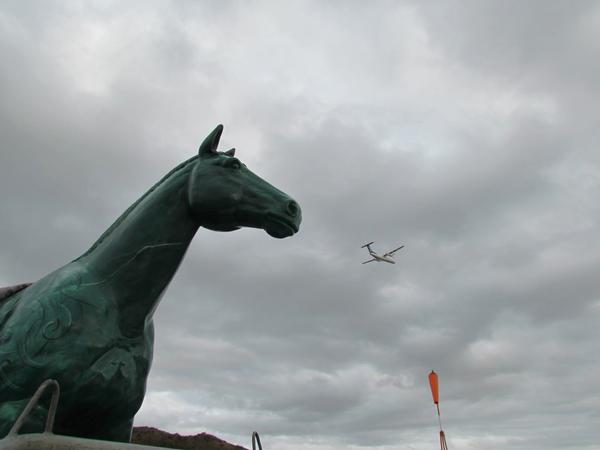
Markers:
(433, 383)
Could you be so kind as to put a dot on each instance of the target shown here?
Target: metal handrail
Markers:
(50, 440)
(32, 404)
(256, 440)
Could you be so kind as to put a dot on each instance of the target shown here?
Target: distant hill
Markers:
(159, 438)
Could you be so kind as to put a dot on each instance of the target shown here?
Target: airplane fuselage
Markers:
(381, 258)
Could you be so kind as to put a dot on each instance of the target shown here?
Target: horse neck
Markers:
(138, 256)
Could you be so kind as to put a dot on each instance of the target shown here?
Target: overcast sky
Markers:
(466, 130)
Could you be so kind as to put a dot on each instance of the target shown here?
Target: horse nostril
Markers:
(293, 208)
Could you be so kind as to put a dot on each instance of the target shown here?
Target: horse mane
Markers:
(6, 292)
(123, 216)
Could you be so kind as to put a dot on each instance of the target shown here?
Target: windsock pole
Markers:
(435, 392)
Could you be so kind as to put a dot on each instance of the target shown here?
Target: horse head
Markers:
(224, 195)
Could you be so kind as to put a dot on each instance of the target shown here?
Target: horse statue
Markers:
(89, 325)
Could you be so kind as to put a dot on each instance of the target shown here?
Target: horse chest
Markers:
(74, 337)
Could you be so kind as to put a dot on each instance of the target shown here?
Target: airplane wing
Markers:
(371, 260)
(393, 251)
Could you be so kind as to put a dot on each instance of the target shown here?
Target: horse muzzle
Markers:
(286, 223)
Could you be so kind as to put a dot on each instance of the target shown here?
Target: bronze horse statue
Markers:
(89, 325)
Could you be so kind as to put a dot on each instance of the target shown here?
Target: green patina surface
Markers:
(89, 323)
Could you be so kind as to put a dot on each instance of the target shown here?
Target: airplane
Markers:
(386, 257)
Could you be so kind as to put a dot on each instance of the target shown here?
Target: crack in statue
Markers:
(89, 323)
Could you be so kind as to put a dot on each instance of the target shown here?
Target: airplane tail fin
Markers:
(367, 245)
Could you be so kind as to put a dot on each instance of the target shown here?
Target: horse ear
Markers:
(210, 144)
(230, 152)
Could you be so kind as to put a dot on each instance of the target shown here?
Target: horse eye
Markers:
(233, 163)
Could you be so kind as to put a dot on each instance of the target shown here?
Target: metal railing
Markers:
(50, 441)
